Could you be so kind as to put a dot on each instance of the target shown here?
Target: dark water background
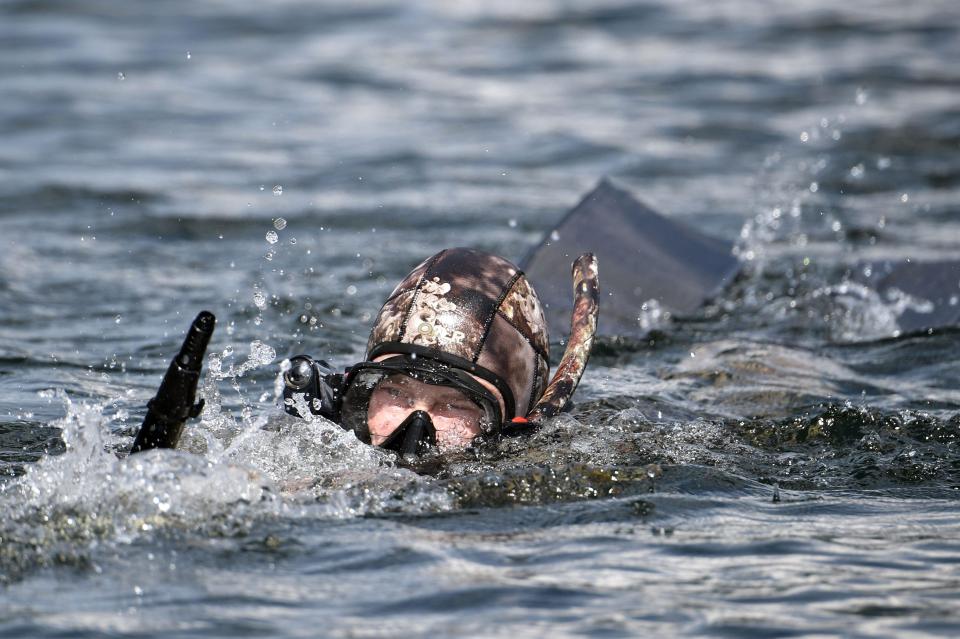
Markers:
(147, 150)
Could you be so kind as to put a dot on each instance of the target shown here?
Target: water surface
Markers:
(782, 463)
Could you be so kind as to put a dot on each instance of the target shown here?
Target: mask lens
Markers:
(378, 401)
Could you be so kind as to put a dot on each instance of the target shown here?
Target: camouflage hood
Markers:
(475, 311)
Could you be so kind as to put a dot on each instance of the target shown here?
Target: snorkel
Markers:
(583, 328)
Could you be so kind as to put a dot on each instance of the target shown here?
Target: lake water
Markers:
(782, 463)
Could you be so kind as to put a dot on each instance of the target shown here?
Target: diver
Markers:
(459, 349)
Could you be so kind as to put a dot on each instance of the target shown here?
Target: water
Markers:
(782, 463)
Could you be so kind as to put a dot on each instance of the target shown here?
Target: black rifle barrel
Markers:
(174, 404)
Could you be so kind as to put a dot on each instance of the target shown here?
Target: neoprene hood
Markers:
(475, 311)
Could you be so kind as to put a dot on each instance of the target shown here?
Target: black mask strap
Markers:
(413, 436)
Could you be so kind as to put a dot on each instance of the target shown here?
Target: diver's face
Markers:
(455, 417)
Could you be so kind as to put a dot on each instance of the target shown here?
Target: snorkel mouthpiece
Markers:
(412, 437)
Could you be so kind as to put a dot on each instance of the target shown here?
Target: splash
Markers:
(652, 316)
(66, 506)
(852, 312)
(860, 313)
(71, 508)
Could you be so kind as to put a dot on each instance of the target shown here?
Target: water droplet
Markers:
(272, 237)
(279, 223)
(804, 136)
(904, 198)
(261, 354)
(351, 290)
(293, 240)
(861, 98)
(814, 187)
(554, 236)
(117, 319)
(512, 223)
(121, 77)
(260, 300)
(188, 55)
(138, 591)
(278, 190)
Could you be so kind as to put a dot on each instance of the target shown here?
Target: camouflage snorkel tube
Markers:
(583, 328)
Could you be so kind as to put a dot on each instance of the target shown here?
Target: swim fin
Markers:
(173, 404)
(644, 256)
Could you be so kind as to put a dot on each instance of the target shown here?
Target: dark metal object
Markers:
(319, 385)
(174, 404)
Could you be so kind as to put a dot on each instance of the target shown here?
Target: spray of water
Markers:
(233, 472)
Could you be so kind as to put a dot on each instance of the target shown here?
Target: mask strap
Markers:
(402, 348)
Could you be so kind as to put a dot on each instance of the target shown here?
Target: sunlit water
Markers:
(782, 463)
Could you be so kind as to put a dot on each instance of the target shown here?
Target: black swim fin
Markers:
(644, 256)
(174, 404)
